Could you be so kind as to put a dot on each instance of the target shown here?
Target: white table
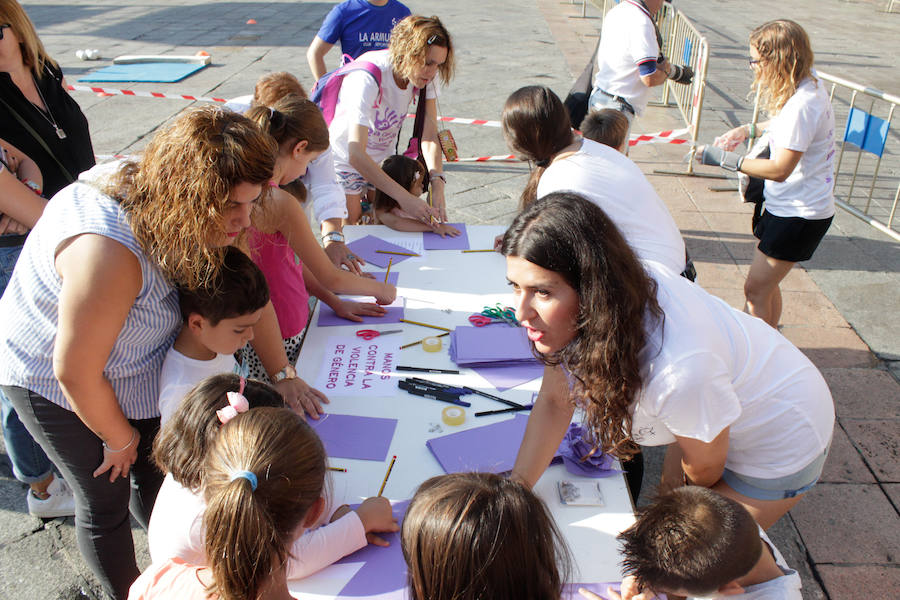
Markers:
(465, 283)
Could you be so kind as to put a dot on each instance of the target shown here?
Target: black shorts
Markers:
(792, 239)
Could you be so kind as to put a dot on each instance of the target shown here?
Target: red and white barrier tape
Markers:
(115, 92)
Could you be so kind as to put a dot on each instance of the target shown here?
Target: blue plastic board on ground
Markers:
(155, 72)
(866, 132)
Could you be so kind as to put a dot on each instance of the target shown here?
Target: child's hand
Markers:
(445, 229)
(498, 241)
(376, 516)
(300, 397)
(387, 295)
(355, 311)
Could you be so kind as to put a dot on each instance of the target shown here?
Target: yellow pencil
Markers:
(422, 340)
(388, 474)
(425, 325)
(341, 469)
(397, 253)
(484, 250)
(388, 272)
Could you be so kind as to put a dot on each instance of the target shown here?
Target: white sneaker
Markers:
(60, 502)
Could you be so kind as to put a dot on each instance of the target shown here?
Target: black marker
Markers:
(425, 370)
(509, 403)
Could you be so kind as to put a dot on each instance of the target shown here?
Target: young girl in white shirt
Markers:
(177, 525)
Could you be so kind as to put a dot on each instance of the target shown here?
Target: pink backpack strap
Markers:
(329, 98)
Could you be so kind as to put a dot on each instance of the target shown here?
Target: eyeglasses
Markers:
(753, 62)
(2, 27)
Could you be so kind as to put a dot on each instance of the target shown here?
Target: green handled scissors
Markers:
(504, 313)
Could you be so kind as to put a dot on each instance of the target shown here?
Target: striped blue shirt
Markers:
(29, 308)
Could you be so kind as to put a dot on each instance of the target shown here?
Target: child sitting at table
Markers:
(218, 321)
(177, 524)
(607, 126)
(478, 535)
(697, 543)
(410, 174)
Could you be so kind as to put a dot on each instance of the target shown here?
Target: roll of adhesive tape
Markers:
(453, 415)
(431, 344)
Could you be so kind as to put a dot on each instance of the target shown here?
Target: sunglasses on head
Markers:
(2, 27)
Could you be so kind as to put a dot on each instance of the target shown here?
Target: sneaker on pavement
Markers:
(60, 502)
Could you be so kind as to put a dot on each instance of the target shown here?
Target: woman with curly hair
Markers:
(91, 311)
(799, 175)
(652, 359)
(367, 118)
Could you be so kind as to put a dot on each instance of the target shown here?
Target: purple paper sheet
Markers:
(507, 377)
(328, 318)
(489, 449)
(384, 573)
(482, 346)
(366, 249)
(352, 436)
(433, 241)
(393, 276)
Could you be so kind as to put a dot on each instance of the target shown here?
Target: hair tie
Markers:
(237, 403)
(248, 475)
(543, 163)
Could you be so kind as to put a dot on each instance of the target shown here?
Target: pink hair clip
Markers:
(237, 403)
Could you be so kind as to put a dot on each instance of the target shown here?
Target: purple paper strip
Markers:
(433, 241)
(328, 318)
(352, 436)
(383, 575)
(366, 249)
(489, 449)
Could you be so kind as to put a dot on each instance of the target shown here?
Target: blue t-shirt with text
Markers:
(361, 26)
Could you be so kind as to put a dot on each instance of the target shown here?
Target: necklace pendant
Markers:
(60, 133)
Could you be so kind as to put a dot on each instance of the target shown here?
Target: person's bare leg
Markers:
(39, 488)
(765, 512)
(761, 287)
(354, 209)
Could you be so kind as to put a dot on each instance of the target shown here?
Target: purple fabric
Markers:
(434, 241)
(573, 449)
(352, 436)
(366, 248)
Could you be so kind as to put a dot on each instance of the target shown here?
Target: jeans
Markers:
(29, 462)
(599, 100)
(102, 527)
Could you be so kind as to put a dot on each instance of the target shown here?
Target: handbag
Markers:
(414, 149)
(752, 189)
(579, 95)
(39, 140)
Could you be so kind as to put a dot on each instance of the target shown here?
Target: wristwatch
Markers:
(436, 175)
(288, 372)
(333, 236)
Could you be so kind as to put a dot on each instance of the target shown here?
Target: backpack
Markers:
(325, 92)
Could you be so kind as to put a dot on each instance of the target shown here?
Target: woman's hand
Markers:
(438, 201)
(417, 208)
(119, 455)
(355, 311)
(443, 229)
(731, 139)
(630, 591)
(301, 397)
(376, 516)
(10, 225)
(342, 256)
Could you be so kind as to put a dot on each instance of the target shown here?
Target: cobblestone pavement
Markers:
(844, 537)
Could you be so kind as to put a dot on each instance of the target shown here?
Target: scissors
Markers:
(504, 313)
(480, 320)
(370, 334)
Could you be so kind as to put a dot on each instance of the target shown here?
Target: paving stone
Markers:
(848, 523)
(811, 309)
(853, 582)
(789, 542)
(893, 493)
(844, 464)
(831, 347)
(879, 443)
(864, 393)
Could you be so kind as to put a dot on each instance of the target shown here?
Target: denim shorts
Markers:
(780, 488)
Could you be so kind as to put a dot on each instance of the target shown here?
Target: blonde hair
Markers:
(34, 56)
(785, 60)
(410, 40)
(272, 87)
(292, 119)
(250, 526)
(177, 194)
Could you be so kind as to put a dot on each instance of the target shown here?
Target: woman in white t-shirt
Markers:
(799, 200)
(367, 119)
(653, 359)
(536, 127)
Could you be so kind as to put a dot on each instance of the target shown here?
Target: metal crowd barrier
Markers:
(683, 45)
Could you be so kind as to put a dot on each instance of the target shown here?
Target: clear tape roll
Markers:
(453, 415)
(431, 344)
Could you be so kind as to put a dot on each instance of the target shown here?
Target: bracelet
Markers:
(333, 236)
(125, 447)
(436, 175)
(751, 130)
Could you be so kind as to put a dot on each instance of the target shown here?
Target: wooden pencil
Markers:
(386, 475)
(388, 272)
(341, 469)
(422, 340)
(425, 325)
(481, 250)
(397, 253)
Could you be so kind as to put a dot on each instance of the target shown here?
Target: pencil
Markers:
(482, 250)
(422, 340)
(397, 253)
(502, 411)
(386, 475)
(388, 272)
(425, 325)
(341, 469)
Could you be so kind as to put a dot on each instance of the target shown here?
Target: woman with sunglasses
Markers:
(368, 117)
(799, 175)
(41, 121)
